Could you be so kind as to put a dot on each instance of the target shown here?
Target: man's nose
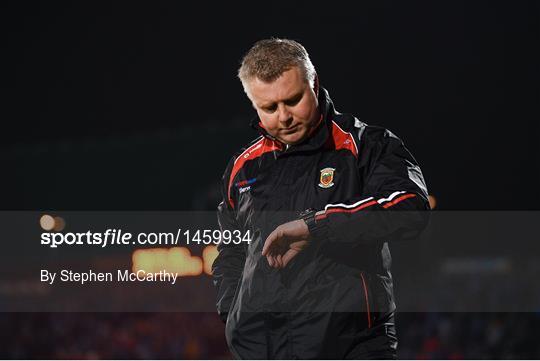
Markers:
(284, 115)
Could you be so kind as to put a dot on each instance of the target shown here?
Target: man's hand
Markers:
(285, 242)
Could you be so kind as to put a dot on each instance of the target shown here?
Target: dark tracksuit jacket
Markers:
(367, 188)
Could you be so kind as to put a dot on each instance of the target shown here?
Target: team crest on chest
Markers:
(327, 178)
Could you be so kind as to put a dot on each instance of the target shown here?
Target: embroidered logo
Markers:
(327, 178)
(245, 185)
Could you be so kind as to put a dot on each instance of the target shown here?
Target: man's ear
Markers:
(316, 85)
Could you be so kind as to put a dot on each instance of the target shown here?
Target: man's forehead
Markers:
(289, 84)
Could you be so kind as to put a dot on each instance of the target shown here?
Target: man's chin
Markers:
(293, 139)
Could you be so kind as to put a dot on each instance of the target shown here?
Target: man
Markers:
(320, 193)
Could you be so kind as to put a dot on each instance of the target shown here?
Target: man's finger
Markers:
(269, 260)
(288, 256)
(275, 263)
(269, 241)
(298, 245)
(279, 261)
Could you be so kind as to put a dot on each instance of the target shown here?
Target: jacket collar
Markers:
(317, 139)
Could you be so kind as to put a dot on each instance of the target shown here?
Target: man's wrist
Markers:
(318, 229)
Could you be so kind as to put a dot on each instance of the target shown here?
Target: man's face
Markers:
(287, 107)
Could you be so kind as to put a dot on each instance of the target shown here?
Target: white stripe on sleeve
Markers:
(392, 196)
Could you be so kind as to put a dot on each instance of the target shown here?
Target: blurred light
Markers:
(432, 201)
(180, 260)
(148, 259)
(46, 222)
(209, 255)
(59, 224)
(174, 260)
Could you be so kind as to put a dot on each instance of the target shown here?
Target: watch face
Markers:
(309, 219)
(305, 213)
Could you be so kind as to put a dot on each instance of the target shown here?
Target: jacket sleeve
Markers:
(394, 200)
(228, 265)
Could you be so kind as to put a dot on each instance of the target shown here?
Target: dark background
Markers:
(136, 106)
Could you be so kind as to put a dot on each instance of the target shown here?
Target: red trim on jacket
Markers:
(367, 300)
(263, 145)
(348, 210)
(343, 139)
(363, 205)
(399, 199)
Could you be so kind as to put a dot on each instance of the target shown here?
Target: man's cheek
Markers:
(272, 128)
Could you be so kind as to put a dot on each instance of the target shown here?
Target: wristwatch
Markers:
(316, 228)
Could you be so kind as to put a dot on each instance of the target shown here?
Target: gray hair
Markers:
(269, 58)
